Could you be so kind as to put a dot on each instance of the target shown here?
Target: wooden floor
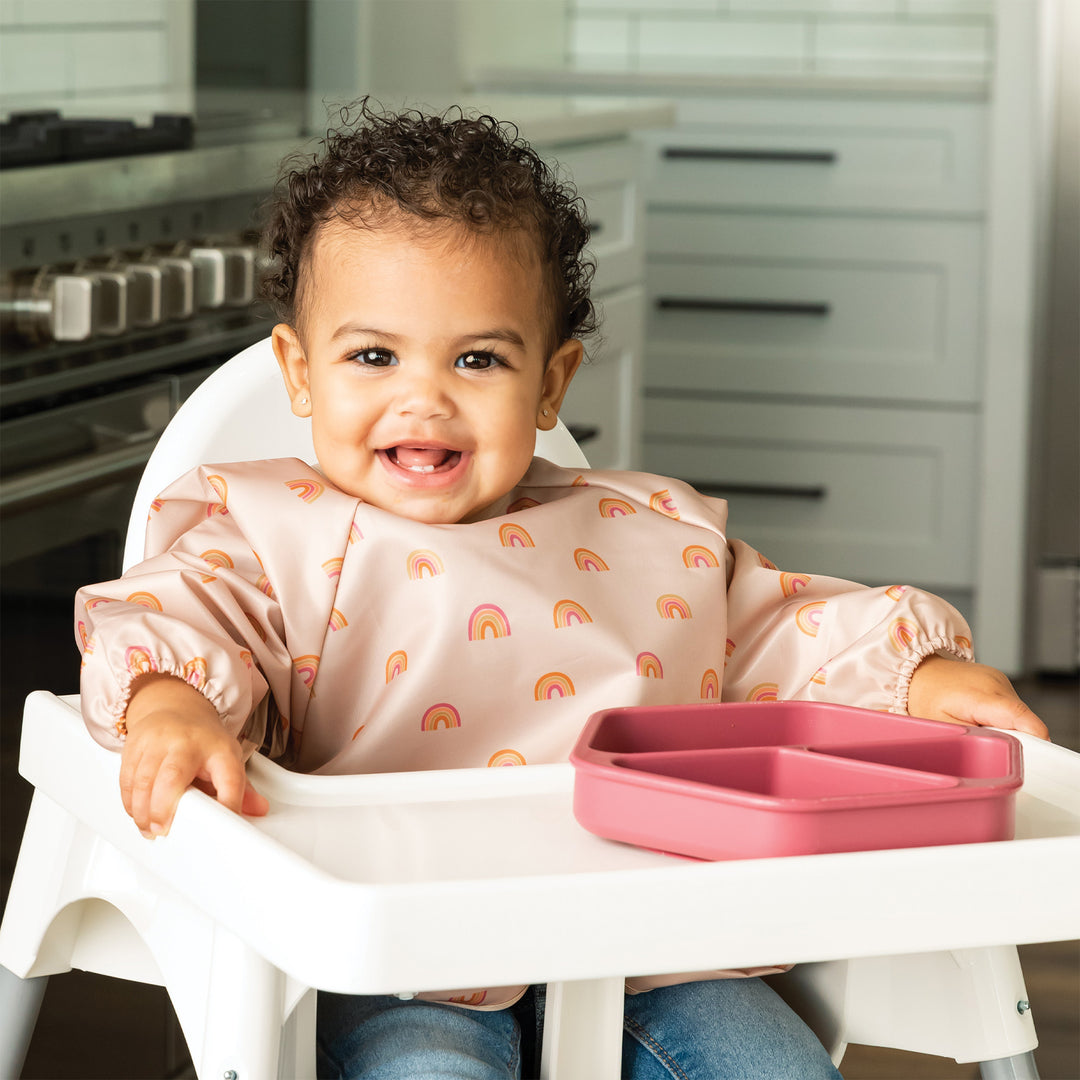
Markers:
(93, 1027)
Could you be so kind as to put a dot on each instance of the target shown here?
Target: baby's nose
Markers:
(424, 394)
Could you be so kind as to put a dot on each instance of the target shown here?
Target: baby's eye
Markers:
(374, 358)
(479, 361)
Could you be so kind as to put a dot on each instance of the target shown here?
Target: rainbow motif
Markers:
(766, 691)
(217, 558)
(963, 642)
(354, 533)
(247, 658)
(306, 490)
(710, 685)
(513, 535)
(88, 649)
(97, 602)
(902, 632)
(505, 757)
(84, 637)
(262, 583)
(729, 648)
(442, 715)
(307, 667)
(256, 626)
(196, 672)
(819, 676)
(579, 481)
(421, 563)
(139, 660)
(221, 489)
(553, 685)
(569, 612)
(521, 504)
(470, 999)
(671, 606)
(584, 559)
(488, 619)
(357, 732)
(146, 600)
(662, 502)
(649, 666)
(337, 620)
(610, 508)
(790, 584)
(397, 663)
(766, 562)
(894, 592)
(808, 617)
(216, 508)
(155, 507)
(697, 556)
(207, 578)
(332, 568)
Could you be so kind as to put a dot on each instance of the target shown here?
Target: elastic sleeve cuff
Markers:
(920, 650)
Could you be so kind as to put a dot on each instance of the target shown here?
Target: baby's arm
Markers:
(175, 738)
(972, 694)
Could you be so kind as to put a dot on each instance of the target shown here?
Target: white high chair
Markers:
(243, 919)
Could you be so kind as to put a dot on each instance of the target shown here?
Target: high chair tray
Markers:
(393, 882)
(750, 780)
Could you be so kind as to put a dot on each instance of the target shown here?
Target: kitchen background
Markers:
(879, 368)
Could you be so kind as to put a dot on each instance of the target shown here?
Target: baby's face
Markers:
(424, 365)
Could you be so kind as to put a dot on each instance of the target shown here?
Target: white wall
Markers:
(931, 38)
(103, 58)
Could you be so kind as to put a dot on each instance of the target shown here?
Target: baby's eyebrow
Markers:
(511, 337)
(354, 329)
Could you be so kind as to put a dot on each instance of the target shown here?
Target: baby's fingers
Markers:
(1006, 712)
(223, 777)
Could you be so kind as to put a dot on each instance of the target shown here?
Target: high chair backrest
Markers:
(241, 413)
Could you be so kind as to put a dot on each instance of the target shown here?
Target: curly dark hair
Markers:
(447, 168)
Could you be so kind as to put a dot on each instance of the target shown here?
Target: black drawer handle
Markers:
(719, 153)
(583, 433)
(723, 490)
(752, 307)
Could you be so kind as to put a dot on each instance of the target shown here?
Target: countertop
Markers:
(239, 162)
(855, 83)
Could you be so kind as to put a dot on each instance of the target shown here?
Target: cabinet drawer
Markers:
(820, 154)
(883, 496)
(842, 307)
(605, 396)
(606, 177)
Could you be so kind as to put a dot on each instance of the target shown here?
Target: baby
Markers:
(434, 596)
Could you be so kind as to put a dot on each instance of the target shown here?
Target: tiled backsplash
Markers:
(104, 58)
(901, 38)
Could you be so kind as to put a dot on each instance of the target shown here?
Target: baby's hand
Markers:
(972, 694)
(175, 738)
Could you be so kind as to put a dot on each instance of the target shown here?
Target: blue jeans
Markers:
(730, 1029)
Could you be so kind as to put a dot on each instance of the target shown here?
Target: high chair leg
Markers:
(20, 1001)
(1017, 1067)
(583, 1027)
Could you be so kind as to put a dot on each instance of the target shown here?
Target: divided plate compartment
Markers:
(752, 780)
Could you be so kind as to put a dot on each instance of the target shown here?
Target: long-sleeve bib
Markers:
(345, 639)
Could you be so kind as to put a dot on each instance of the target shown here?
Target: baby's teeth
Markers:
(421, 468)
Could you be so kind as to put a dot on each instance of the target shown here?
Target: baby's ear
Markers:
(294, 368)
(558, 373)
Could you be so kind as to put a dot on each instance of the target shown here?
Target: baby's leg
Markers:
(385, 1038)
(729, 1029)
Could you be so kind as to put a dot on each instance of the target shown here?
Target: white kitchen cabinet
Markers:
(603, 405)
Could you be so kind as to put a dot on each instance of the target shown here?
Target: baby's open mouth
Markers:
(423, 459)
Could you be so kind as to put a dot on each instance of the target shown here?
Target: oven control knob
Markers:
(225, 274)
(177, 280)
(145, 287)
(48, 304)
